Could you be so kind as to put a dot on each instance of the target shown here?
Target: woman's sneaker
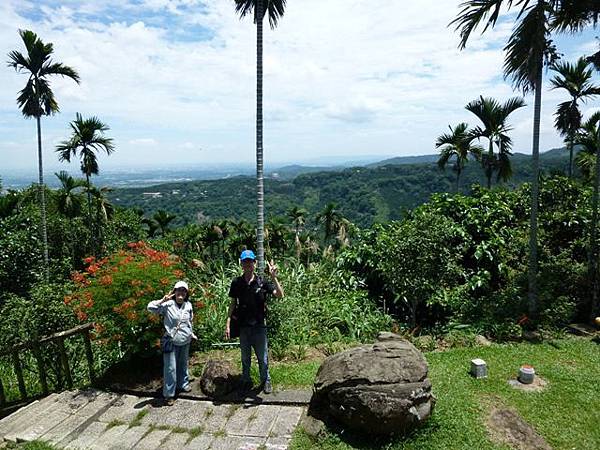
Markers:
(267, 388)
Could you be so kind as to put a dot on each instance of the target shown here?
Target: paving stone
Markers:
(7, 422)
(112, 434)
(125, 440)
(237, 424)
(277, 443)
(87, 439)
(125, 409)
(46, 416)
(175, 441)
(215, 418)
(263, 422)
(202, 442)
(70, 427)
(236, 443)
(286, 421)
(173, 415)
(153, 440)
(28, 414)
(195, 416)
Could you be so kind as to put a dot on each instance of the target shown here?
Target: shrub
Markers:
(114, 292)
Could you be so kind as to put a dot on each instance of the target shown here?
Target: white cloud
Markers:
(341, 77)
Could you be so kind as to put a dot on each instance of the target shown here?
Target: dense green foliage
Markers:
(364, 195)
(464, 259)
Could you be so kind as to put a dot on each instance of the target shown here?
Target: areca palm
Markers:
(69, 201)
(298, 217)
(576, 80)
(87, 139)
(163, 219)
(36, 99)
(589, 139)
(274, 9)
(457, 145)
(528, 47)
(495, 129)
(330, 217)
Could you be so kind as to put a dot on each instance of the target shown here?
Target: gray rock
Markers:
(482, 341)
(219, 378)
(380, 388)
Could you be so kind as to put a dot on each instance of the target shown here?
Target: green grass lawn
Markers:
(566, 413)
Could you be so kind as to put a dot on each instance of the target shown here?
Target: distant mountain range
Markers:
(377, 192)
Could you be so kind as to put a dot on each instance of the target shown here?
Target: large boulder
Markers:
(219, 378)
(380, 388)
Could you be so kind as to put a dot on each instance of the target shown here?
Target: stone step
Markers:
(94, 419)
(43, 419)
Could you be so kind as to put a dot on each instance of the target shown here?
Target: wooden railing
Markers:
(36, 346)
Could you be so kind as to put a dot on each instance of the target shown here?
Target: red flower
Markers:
(106, 280)
(89, 259)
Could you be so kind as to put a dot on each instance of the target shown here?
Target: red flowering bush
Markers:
(113, 293)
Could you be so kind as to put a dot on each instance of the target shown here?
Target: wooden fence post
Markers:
(41, 368)
(19, 373)
(65, 362)
(89, 355)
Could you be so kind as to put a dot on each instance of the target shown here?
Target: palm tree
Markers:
(331, 218)
(87, 139)
(163, 219)
(575, 79)
(274, 9)
(457, 145)
(589, 139)
(69, 201)
(36, 99)
(494, 117)
(298, 216)
(528, 47)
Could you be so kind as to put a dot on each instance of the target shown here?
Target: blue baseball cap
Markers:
(247, 254)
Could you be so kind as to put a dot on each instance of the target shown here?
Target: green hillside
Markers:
(364, 194)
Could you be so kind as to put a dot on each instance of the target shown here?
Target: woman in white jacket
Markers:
(177, 314)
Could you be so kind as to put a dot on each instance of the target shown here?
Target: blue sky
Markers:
(175, 80)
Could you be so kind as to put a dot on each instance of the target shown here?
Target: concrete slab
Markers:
(237, 424)
(236, 443)
(202, 442)
(87, 439)
(215, 417)
(128, 439)
(152, 440)
(175, 441)
(277, 443)
(261, 425)
(75, 424)
(195, 415)
(125, 409)
(286, 421)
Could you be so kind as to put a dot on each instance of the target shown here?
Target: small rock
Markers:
(482, 341)
(219, 378)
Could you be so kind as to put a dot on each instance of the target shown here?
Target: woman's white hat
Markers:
(181, 284)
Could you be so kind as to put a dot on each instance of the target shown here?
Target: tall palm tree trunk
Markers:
(571, 156)
(535, 187)
(593, 263)
(489, 169)
(457, 178)
(259, 138)
(89, 199)
(42, 194)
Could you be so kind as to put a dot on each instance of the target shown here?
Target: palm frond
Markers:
(472, 14)
(527, 48)
(59, 69)
(274, 9)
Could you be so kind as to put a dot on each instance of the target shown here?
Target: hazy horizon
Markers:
(175, 81)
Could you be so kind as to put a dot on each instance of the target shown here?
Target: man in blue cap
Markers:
(249, 294)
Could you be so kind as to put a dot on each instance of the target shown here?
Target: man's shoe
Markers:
(267, 388)
(169, 401)
(187, 388)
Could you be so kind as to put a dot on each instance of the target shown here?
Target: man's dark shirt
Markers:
(251, 299)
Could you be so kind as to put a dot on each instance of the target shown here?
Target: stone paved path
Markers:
(92, 419)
